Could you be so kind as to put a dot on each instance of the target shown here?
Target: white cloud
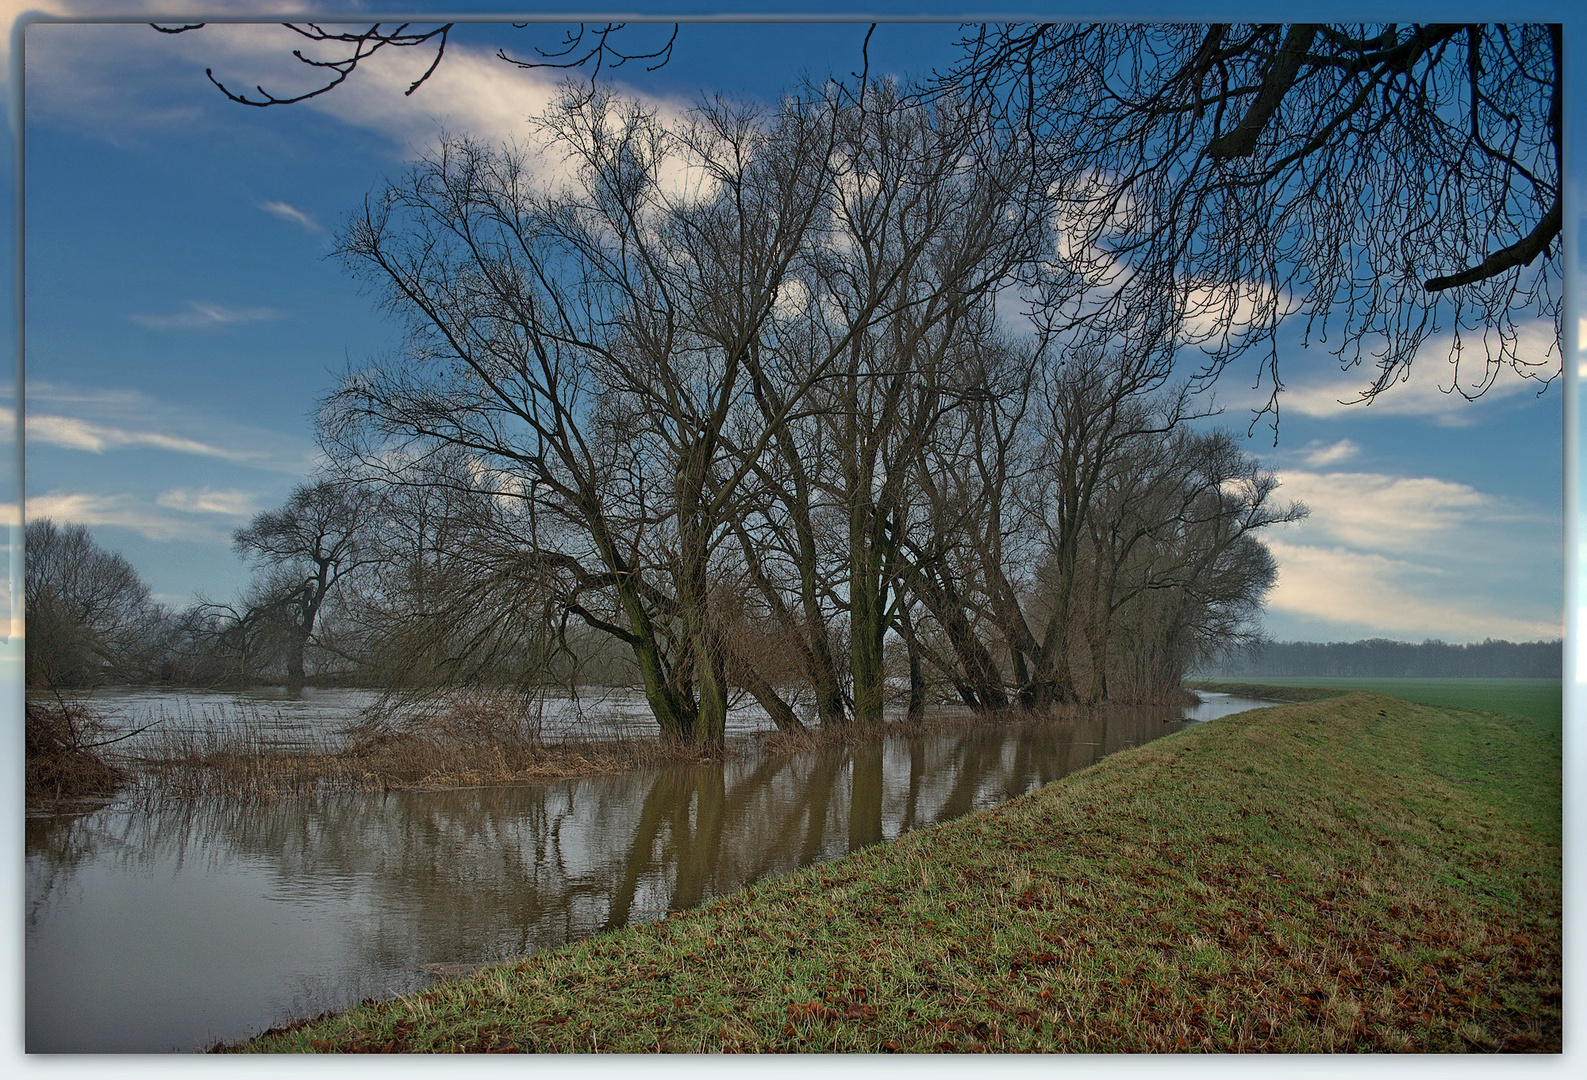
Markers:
(202, 316)
(226, 503)
(793, 299)
(123, 511)
(1229, 312)
(1365, 594)
(1376, 512)
(99, 421)
(1318, 453)
(10, 10)
(1433, 389)
(288, 212)
(472, 92)
(76, 434)
(116, 80)
(1413, 557)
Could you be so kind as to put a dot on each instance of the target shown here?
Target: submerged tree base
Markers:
(473, 742)
(1349, 874)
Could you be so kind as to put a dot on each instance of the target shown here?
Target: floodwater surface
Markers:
(315, 715)
(173, 928)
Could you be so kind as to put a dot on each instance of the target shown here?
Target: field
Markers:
(1351, 873)
(1535, 699)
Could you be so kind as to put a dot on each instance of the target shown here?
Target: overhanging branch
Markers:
(1520, 253)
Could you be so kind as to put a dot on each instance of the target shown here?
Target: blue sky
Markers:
(183, 318)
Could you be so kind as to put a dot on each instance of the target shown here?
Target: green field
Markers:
(1535, 699)
(1355, 873)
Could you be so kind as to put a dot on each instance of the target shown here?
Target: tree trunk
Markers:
(766, 695)
(868, 593)
(982, 684)
(674, 715)
(694, 588)
(1099, 660)
(917, 687)
(710, 721)
(867, 628)
(295, 677)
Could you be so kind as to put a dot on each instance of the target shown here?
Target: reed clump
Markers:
(64, 765)
(474, 740)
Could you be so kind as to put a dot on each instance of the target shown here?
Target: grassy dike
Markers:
(1348, 873)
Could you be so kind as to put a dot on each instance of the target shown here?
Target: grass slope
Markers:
(1353, 873)
(1535, 699)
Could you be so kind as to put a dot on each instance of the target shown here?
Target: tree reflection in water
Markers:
(374, 888)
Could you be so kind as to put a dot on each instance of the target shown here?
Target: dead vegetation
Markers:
(64, 766)
(474, 740)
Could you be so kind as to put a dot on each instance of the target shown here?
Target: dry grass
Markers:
(63, 765)
(470, 741)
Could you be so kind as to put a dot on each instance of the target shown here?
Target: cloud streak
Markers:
(75, 434)
(121, 511)
(205, 316)
(1367, 594)
(225, 503)
(1435, 389)
(109, 420)
(288, 212)
(87, 72)
(1318, 454)
(1376, 512)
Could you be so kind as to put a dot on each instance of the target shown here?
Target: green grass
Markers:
(1535, 699)
(1353, 873)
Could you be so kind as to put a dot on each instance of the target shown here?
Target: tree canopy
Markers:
(1383, 183)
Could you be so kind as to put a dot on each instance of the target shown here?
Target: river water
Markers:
(171, 929)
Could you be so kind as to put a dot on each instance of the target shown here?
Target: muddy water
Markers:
(316, 715)
(168, 930)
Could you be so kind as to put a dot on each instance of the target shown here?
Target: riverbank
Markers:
(1356, 873)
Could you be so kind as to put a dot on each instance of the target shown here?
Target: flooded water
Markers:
(172, 929)
(316, 714)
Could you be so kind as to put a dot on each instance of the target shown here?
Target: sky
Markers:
(184, 317)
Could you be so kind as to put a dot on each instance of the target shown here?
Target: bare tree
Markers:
(89, 615)
(1173, 564)
(305, 549)
(930, 222)
(968, 478)
(1041, 470)
(447, 598)
(589, 347)
(1382, 183)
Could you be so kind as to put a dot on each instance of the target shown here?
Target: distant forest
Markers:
(1380, 658)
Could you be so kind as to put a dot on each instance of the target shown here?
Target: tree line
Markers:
(1382, 658)
(758, 405)
(867, 396)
